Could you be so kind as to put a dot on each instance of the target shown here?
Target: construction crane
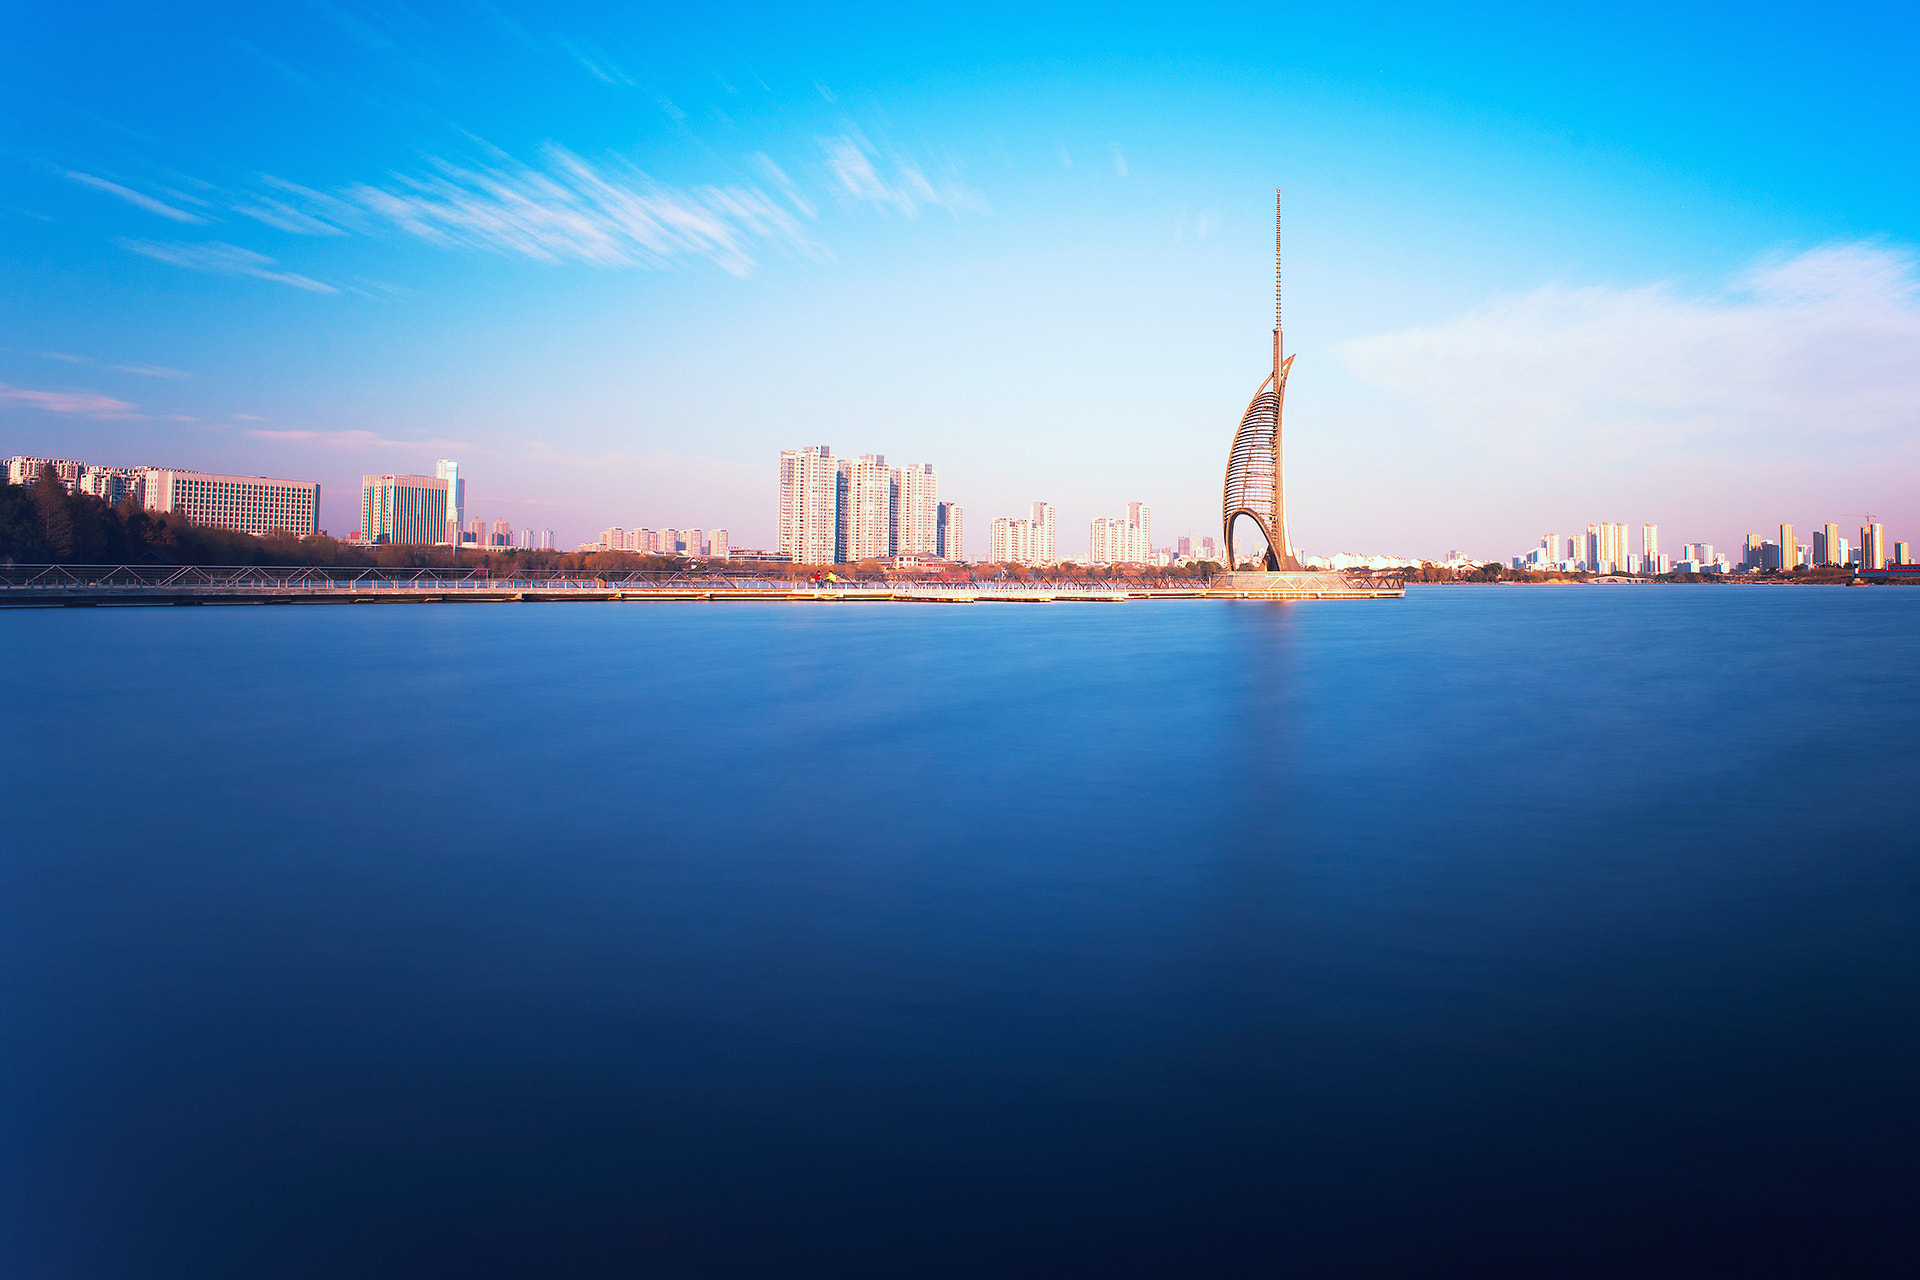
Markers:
(1868, 517)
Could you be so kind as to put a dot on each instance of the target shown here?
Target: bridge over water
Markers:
(82, 585)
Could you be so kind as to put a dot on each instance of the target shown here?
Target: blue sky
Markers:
(1641, 263)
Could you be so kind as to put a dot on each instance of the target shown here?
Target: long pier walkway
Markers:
(82, 585)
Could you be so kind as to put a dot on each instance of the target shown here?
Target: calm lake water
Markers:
(1550, 932)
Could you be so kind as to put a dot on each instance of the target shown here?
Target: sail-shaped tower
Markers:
(1254, 483)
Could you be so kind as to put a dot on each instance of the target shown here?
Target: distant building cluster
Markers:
(258, 505)
(844, 510)
(1127, 539)
(1124, 539)
(431, 511)
(1029, 540)
(711, 544)
(1188, 548)
(1604, 550)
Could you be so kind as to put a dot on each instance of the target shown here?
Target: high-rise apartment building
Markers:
(1125, 539)
(1606, 548)
(848, 509)
(1010, 542)
(1873, 546)
(247, 504)
(1826, 545)
(1045, 549)
(809, 506)
(696, 541)
(871, 496)
(950, 533)
(448, 472)
(919, 510)
(24, 470)
(112, 485)
(1140, 518)
(1649, 546)
(406, 510)
(1902, 553)
(1789, 548)
(719, 547)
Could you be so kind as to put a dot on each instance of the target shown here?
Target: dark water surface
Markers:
(1537, 932)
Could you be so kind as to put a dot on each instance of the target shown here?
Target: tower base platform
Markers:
(1305, 585)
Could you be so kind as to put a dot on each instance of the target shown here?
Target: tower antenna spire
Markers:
(1278, 280)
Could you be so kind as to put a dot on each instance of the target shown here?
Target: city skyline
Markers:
(612, 262)
(1123, 539)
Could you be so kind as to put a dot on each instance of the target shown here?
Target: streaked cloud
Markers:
(597, 63)
(1119, 161)
(566, 208)
(144, 370)
(569, 209)
(351, 439)
(85, 403)
(1822, 346)
(276, 66)
(223, 259)
(282, 216)
(135, 198)
(906, 189)
(774, 174)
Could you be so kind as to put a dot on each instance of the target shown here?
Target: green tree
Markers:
(56, 518)
(20, 537)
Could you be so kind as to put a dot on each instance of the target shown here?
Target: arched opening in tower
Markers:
(1251, 549)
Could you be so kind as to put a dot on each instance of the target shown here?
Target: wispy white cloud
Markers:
(276, 66)
(223, 259)
(778, 177)
(596, 62)
(282, 216)
(84, 403)
(567, 208)
(1119, 161)
(144, 370)
(1822, 346)
(609, 214)
(246, 417)
(857, 173)
(135, 198)
(352, 439)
